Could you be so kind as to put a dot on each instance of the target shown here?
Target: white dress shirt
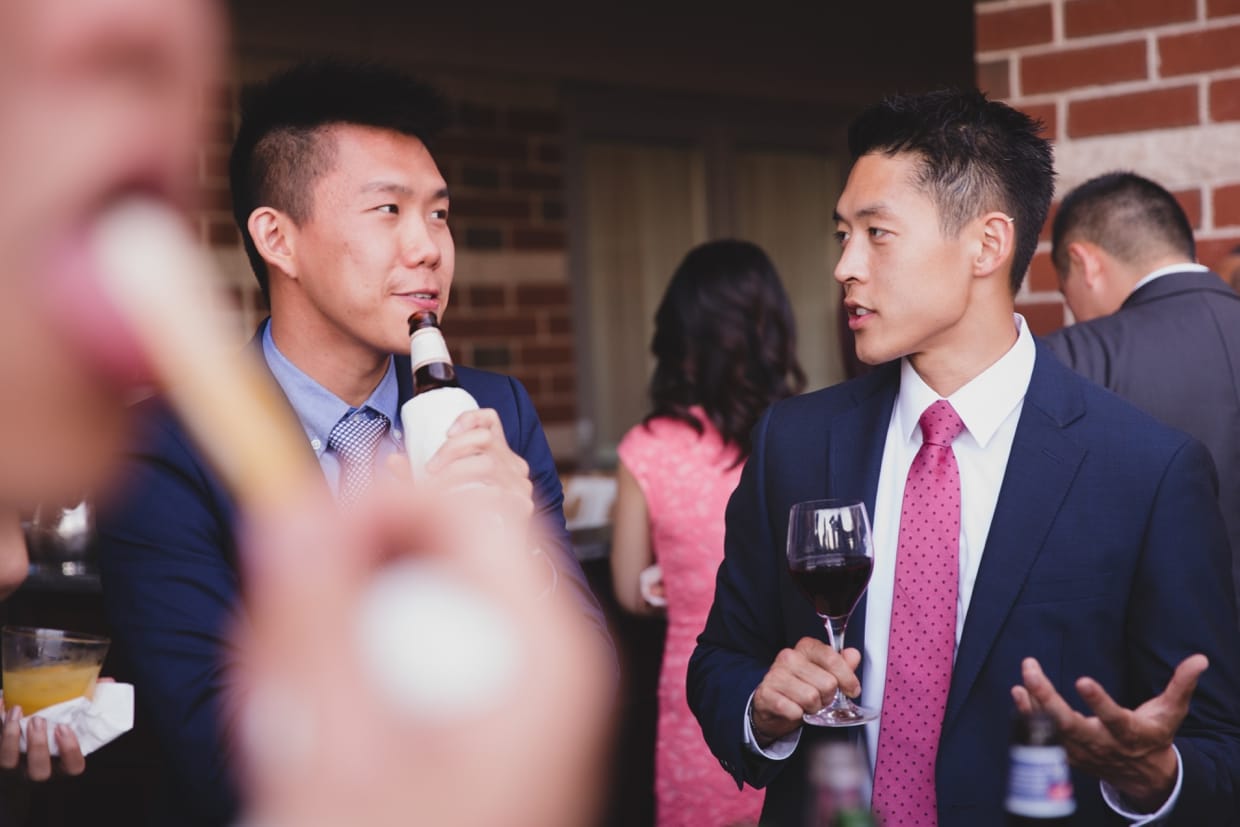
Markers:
(990, 406)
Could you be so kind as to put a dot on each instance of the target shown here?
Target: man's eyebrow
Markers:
(387, 186)
(392, 187)
(878, 210)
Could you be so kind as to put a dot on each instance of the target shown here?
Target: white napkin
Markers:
(588, 498)
(94, 722)
(650, 577)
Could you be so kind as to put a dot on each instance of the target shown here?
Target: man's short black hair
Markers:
(973, 155)
(1132, 218)
(279, 151)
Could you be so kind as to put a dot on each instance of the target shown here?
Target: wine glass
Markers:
(830, 558)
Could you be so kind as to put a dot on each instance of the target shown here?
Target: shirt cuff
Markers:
(782, 747)
(1116, 801)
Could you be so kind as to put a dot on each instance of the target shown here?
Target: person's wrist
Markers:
(763, 740)
(1154, 782)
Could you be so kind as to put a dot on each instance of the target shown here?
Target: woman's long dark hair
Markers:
(724, 339)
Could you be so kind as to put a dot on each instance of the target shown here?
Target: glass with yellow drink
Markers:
(43, 667)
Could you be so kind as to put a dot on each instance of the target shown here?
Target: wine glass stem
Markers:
(835, 632)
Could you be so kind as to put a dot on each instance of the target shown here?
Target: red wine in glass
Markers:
(836, 585)
(830, 557)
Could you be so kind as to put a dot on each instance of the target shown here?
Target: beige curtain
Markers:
(645, 208)
(784, 203)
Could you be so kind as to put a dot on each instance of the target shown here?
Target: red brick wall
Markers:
(524, 330)
(1147, 85)
(504, 168)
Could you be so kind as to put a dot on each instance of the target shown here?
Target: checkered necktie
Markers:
(923, 628)
(355, 439)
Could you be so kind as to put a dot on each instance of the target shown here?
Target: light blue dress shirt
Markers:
(319, 409)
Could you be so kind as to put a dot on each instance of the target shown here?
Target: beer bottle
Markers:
(438, 398)
(1039, 790)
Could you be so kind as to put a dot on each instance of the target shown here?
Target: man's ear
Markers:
(1089, 263)
(998, 241)
(275, 237)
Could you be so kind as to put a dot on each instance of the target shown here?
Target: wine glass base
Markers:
(839, 716)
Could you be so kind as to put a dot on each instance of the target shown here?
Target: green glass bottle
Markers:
(839, 780)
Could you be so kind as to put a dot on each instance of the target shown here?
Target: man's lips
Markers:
(858, 315)
(423, 299)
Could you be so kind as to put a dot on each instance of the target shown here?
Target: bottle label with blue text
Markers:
(1039, 782)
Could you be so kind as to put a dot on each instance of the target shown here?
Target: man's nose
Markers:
(419, 247)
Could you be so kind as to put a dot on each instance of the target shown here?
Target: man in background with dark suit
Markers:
(1053, 532)
(1152, 325)
(344, 214)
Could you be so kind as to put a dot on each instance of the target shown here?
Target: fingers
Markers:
(486, 419)
(852, 657)
(803, 679)
(1024, 703)
(476, 432)
(1113, 716)
(1158, 718)
(1184, 682)
(775, 713)
(72, 762)
(10, 739)
(398, 466)
(841, 667)
(1042, 695)
(38, 751)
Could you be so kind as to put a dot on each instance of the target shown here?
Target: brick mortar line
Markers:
(1109, 38)
(1111, 90)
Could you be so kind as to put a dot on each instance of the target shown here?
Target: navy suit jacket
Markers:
(1173, 350)
(168, 559)
(1106, 557)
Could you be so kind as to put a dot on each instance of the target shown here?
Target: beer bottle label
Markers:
(426, 346)
(1040, 784)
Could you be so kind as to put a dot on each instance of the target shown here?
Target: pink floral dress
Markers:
(686, 480)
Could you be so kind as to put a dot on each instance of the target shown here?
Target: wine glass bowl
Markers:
(830, 558)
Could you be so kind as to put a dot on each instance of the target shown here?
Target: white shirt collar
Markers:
(983, 403)
(1182, 267)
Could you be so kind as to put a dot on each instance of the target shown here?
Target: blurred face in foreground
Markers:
(98, 98)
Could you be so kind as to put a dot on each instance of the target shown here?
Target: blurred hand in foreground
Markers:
(326, 744)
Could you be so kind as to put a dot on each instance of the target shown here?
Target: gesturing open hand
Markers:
(1130, 749)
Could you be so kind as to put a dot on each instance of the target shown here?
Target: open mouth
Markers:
(857, 315)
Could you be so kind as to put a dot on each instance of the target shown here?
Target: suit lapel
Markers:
(855, 455)
(1042, 465)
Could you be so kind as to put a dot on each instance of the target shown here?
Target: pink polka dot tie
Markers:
(923, 628)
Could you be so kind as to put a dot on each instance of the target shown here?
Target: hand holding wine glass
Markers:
(830, 556)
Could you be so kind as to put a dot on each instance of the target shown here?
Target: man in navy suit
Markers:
(1089, 537)
(344, 214)
(1153, 325)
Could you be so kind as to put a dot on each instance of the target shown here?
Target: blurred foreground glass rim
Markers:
(37, 632)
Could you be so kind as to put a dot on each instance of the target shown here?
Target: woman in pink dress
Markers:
(724, 346)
